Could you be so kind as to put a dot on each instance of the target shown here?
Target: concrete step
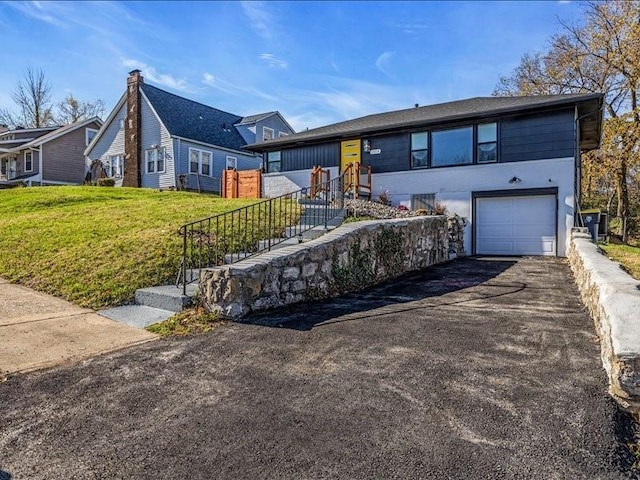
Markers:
(139, 316)
(167, 297)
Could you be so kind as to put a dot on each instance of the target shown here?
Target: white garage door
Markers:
(516, 225)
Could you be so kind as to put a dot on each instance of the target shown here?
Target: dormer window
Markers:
(267, 133)
(89, 135)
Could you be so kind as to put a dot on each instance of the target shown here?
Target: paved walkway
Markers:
(477, 369)
(40, 331)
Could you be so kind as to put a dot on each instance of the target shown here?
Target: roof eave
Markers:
(265, 146)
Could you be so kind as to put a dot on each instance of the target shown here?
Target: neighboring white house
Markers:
(156, 139)
(510, 165)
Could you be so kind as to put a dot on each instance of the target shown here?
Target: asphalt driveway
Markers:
(481, 368)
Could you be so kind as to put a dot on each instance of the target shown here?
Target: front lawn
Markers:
(95, 246)
(627, 255)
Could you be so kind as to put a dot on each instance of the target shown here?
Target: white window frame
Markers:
(159, 151)
(118, 170)
(199, 152)
(30, 153)
(264, 133)
(86, 135)
(232, 162)
(121, 121)
(282, 134)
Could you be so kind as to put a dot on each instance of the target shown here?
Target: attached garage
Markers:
(516, 222)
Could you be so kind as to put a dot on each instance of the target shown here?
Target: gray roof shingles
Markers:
(195, 121)
(256, 118)
(439, 113)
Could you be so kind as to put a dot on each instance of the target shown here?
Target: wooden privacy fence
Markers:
(241, 184)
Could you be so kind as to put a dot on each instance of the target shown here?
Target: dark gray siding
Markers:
(521, 138)
(394, 153)
(301, 158)
(549, 135)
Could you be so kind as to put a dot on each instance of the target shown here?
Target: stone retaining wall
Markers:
(613, 299)
(347, 259)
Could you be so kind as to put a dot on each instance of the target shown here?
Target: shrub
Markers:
(106, 182)
(440, 209)
(421, 211)
(384, 198)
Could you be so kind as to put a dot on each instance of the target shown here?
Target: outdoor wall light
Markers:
(515, 179)
(367, 146)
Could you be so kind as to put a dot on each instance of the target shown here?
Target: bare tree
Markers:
(32, 96)
(72, 110)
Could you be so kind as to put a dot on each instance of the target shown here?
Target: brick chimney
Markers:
(133, 132)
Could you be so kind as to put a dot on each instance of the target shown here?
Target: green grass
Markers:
(627, 255)
(95, 246)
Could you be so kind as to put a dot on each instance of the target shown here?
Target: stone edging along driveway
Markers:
(613, 299)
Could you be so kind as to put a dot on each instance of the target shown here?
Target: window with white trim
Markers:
(200, 161)
(267, 133)
(122, 124)
(154, 160)
(115, 168)
(89, 135)
(232, 162)
(28, 161)
(282, 134)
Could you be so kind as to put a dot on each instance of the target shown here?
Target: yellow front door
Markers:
(349, 153)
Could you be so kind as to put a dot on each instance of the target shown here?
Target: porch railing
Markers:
(248, 231)
(357, 181)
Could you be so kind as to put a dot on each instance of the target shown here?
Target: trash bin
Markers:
(591, 220)
(603, 227)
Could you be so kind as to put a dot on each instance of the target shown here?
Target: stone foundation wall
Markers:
(613, 300)
(349, 258)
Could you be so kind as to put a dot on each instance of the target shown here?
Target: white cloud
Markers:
(48, 12)
(235, 88)
(160, 78)
(309, 120)
(345, 99)
(414, 28)
(333, 63)
(261, 19)
(382, 62)
(273, 62)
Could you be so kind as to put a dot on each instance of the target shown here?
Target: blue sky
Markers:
(316, 62)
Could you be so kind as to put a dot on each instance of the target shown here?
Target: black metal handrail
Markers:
(247, 231)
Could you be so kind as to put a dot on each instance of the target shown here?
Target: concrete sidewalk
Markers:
(40, 331)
